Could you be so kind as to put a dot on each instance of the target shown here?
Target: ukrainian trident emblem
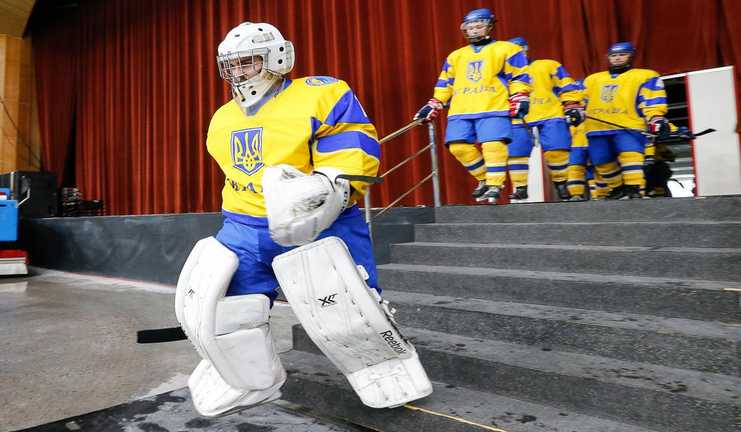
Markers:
(473, 70)
(246, 150)
(608, 92)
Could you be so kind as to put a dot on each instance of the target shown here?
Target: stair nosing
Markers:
(645, 322)
(648, 281)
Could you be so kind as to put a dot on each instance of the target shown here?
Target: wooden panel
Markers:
(19, 142)
(14, 15)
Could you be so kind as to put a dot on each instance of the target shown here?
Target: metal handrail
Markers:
(433, 175)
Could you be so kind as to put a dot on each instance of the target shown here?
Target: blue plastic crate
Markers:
(8, 218)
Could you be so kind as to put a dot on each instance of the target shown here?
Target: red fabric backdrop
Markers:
(134, 82)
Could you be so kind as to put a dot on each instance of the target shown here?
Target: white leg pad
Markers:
(213, 397)
(240, 365)
(350, 324)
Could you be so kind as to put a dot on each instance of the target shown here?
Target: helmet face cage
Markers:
(234, 67)
(475, 30)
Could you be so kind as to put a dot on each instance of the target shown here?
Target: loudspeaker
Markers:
(42, 187)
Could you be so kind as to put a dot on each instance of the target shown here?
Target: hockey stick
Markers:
(689, 136)
(529, 130)
(169, 334)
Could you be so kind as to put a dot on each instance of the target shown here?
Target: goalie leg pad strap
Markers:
(231, 334)
(348, 322)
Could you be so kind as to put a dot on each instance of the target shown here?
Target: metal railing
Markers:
(433, 175)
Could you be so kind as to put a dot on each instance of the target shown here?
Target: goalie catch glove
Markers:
(299, 206)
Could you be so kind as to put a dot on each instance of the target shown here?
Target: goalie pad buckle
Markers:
(350, 324)
(240, 366)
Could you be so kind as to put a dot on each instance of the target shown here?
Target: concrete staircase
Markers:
(578, 317)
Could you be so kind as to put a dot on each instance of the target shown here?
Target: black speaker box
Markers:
(43, 192)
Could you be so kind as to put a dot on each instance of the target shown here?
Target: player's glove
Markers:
(659, 126)
(574, 112)
(299, 206)
(519, 105)
(430, 111)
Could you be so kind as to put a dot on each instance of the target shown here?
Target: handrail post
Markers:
(368, 215)
(433, 162)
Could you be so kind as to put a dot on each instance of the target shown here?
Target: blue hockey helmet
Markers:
(519, 40)
(477, 24)
(622, 48)
(482, 14)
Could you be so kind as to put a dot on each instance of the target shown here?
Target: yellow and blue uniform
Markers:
(629, 99)
(552, 86)
(478, 80)
(307, 123)
(581, 171)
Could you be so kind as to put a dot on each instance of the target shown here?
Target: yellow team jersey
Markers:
(551, 86)
(309, 123)
(578, 137)
(628, 99)
(478, 80)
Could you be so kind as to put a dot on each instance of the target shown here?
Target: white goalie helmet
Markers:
(245, 48)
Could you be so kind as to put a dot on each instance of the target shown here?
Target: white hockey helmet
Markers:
(238, 52)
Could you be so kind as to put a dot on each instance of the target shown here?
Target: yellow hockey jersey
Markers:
(551, 86)
(629, 99)
(309, 123)
(478, 80)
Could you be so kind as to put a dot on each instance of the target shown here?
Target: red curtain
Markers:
(139, 77)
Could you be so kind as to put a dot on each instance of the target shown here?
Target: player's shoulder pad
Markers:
(597, 75)
(223, 113)
(649, 73)
(321, 82)
(509, 46)
(322, 86)
(549, 62)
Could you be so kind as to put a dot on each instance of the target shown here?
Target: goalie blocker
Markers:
(355, 328)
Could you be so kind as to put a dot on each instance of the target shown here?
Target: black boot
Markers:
(616, 193)
(479, 191)
(492, 194)
(632, 192)
(563, 191)
(520, 193)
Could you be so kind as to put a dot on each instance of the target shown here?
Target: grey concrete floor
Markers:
(68, 347)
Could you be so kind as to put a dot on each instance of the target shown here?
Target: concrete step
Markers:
(679, 298)
(673, 342)
(675, 262)
(654, 234)
(723, 208)
(642, 394)
(315, 383)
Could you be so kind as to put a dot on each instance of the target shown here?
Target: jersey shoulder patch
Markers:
(318, 81)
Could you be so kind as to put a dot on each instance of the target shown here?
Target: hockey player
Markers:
(553, 90)
(578, 160)
(486, 83)
(280, 192)
(581, 171)
(634, 98)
